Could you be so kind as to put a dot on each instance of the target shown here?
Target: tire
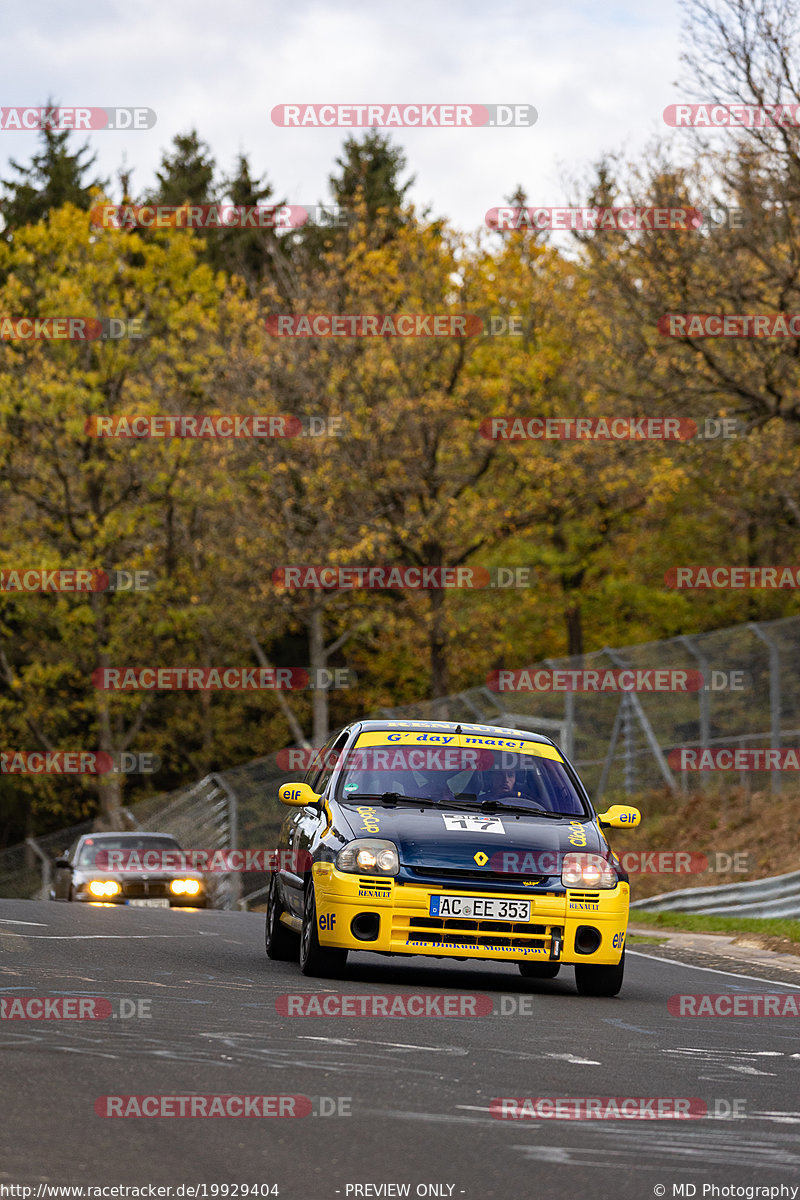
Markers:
(535, 970)
(314, 958)
(599, 981)
(281, 943)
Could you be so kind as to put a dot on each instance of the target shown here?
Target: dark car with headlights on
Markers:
(139, 869)
(456, 841)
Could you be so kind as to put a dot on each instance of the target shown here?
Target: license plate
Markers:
(480, 909)
(150, 903)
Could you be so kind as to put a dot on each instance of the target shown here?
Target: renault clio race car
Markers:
(454, 840)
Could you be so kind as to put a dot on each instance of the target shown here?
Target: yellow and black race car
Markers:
(454, 840)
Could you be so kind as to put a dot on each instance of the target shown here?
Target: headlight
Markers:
(104, 887)
(587, 871)
(369, 856)
(185, 887)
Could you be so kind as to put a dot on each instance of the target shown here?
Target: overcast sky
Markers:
(599, 74)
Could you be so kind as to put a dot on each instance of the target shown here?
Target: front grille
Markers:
(585, 897)
(452, 931)
(143, 889)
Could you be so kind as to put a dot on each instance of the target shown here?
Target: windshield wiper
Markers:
(388, 798)
(492, 805)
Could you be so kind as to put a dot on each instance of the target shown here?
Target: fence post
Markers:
(704, 697)
(635, 705)
(47, 867)
(234, 877)
(775, 779)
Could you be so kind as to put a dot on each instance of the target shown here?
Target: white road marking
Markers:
(674, 962)
(305, 1037)
(7, 921)
(570, 1058)
(95, 937)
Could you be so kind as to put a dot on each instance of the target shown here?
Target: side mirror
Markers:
(297, 795)
(62, 862)
(620, 816)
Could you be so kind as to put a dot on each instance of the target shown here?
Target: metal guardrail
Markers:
(776, 896)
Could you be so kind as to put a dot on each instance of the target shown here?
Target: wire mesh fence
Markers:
(745, 694)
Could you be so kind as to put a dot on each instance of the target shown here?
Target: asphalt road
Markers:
(410, 1095)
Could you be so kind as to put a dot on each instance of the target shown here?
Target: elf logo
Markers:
(327, 921)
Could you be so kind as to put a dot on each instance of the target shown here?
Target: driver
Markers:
(503, 782)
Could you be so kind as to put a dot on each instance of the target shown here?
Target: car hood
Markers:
(457, 839)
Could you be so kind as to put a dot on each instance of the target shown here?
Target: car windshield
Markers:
(519, 780)
(129, 842)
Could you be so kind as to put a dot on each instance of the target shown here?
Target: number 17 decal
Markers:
(472, 823)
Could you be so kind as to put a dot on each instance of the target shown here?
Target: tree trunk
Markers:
(109, 785)
(574, 628)
(438, 646)
(318, 660)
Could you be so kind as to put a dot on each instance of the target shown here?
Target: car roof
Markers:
(98, 837)
(467, 727)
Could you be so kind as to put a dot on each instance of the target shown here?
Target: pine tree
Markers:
(252, 253)
(53, 177)
(188, 174)
(369, 173)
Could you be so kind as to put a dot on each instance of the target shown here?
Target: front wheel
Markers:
(535, 970)
(281, 943)
(599, 981)
(314, 958)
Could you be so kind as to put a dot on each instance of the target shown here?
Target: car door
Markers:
(311, 819)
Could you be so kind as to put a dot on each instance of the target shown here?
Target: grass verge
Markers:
(697, 923)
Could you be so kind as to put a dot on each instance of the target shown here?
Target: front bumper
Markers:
(568, 927)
